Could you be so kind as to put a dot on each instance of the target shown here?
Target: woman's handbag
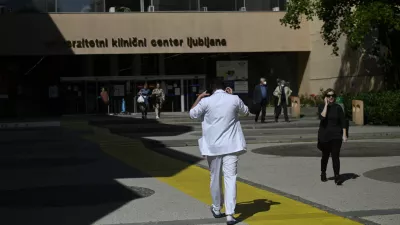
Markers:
(140, 99)
(319, 146)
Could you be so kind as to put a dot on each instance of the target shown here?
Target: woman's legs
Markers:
(157, 109)
(326, 151)
(143, 110)
(336, 145)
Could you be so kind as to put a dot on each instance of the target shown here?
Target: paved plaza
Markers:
(122, 170)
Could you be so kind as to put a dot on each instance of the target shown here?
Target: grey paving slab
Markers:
(387, 174)
(351, 149)
(299, 176)
(385, 220)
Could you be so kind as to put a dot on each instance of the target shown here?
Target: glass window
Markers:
(29, 6)
(80, 5)
(123, 5)
(222, 5)
(173, 5)
(265, 5)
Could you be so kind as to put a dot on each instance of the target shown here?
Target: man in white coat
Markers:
(222, 143)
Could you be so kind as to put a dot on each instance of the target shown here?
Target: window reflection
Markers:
(29, 6)
(80, 6)
(221, 5)
(122, 5)
(266, 5)
(87, 6)
(172, 5)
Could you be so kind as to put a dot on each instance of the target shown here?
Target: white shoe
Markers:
(216, 213)
(230, 220)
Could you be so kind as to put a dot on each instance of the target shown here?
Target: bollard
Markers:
(295, 107)
(358, 112)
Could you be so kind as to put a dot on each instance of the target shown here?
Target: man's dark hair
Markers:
(217, 84)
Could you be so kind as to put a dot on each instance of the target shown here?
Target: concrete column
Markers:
(161, 64)
(136, 67)
(114, 70)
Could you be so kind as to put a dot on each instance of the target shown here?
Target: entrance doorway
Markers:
(180, 92)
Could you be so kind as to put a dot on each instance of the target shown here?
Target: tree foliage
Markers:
(357, 20)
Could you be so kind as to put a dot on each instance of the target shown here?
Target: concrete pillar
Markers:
(114, 70)
(161, 64)
(136, 67)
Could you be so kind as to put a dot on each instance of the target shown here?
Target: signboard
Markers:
(232, 70)
(241, 87)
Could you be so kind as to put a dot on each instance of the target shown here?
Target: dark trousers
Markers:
(262, 109)
(143, 108)
(278, 110)
(331, 148)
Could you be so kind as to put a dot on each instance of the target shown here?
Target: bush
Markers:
(379, 107)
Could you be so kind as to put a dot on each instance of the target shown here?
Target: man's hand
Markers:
(228, 90)
(344, 138)
(202, 95)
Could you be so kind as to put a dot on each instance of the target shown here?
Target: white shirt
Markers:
(222, 132)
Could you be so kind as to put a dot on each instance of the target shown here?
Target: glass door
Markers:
(172, 96)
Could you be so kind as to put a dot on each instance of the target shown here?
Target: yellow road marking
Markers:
(255, 206)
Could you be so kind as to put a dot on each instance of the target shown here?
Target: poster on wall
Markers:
(241, 87)
(232, 70)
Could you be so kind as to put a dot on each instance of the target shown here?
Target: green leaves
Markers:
(356, 19)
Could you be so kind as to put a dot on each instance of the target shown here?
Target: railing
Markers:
(126, 6)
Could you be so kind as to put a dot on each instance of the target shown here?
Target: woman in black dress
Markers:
(331, 134)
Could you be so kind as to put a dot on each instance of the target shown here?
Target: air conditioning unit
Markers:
(243, 9)
(204, 9)
(151, 8)
(112, 10)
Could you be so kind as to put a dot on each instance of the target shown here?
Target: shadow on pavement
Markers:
(345, 177)
(250, 208)
(55, 176)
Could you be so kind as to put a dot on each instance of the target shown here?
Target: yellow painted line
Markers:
(256, 206)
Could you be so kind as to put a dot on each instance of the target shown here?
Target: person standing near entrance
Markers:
(331, 134)
(222, 142)
(105, 100)
(282, 92)
(260, 99)
(144, 94)
(159, 98)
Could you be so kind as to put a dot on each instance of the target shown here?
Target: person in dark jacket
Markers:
(331, 134)
(260, 99)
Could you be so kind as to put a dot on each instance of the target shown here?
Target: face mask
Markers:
(282, 85)
(264, 82)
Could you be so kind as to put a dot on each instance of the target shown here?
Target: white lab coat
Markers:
(222, 132)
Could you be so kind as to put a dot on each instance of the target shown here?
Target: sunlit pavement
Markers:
(83, 174)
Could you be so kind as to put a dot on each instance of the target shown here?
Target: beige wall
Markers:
(349, 72)
(243, 32)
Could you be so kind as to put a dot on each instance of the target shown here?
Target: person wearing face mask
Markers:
(331, 134)
(260, 99)
(282, 93)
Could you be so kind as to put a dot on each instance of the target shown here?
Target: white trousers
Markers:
(228, 163)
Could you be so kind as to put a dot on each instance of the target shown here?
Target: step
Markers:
(266, 139)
